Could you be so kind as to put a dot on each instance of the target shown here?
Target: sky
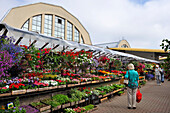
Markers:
(143, 23)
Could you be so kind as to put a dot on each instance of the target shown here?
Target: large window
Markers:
(26, 25)
(82, 40)
(69, 31)
(36, 23)
(59, 27)
(76, 35)
(48, 25)
(124, 46)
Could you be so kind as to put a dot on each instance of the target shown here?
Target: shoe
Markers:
(129, 107)
(134, 107)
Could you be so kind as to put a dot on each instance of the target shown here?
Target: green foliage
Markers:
(119, 86)
(96, 92)
(166, 46)
(16, 102)
(88, 107)
(120, 92)
(77, 93)
(36, 104)
(51, 102)
(60, 98)
(4, 90)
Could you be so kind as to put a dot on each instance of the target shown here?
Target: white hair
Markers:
(131, 67)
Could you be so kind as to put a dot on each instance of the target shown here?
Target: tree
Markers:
(166, 46)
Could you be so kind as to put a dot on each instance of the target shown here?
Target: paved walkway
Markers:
(156, 99)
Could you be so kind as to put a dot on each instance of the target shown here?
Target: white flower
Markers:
(7, 86)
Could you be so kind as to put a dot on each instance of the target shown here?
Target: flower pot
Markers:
(17, 92)
(31, 90)
(43, 89)
(5, 94)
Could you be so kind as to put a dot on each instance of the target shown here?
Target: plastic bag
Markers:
(138, 96)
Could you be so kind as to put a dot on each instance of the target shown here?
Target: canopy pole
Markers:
(19, 40)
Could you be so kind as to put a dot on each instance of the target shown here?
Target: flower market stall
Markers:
(49, 73)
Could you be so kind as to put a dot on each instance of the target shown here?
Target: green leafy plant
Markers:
(60, 98)
(88, 107)
(51, 102)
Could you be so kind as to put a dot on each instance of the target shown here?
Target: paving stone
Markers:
(155, 99)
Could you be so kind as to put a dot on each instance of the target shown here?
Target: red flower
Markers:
(45, 49)
(38, 56)
(38, 53)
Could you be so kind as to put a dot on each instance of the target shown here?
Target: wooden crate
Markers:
(81, 101)
(56, 108)
(70, 85)
(66, 105)
(103, 99)
(43, 89)
(83, 83)
(31, 90)
(5, 94)
(52, 87)
(89, 82)
(17, 92)
(62, 86)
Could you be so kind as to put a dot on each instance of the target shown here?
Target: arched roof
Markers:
(25, 12)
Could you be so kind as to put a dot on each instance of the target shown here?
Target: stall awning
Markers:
(23, 37)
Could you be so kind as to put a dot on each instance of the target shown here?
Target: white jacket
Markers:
(157, 71)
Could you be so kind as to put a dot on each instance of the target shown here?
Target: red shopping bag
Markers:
(138, 96)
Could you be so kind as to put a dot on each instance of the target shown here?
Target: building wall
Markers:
(122, 43)
(19, 15)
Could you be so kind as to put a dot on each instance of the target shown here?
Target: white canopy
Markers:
(50, 42)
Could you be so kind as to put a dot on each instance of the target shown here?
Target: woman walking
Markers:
(158, 75)
(133, 82)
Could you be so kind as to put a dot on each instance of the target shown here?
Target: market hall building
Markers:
(54, 21)
(49, 20)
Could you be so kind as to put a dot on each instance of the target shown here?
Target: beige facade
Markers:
(120, 44)
(18, 16)
(123, 44)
